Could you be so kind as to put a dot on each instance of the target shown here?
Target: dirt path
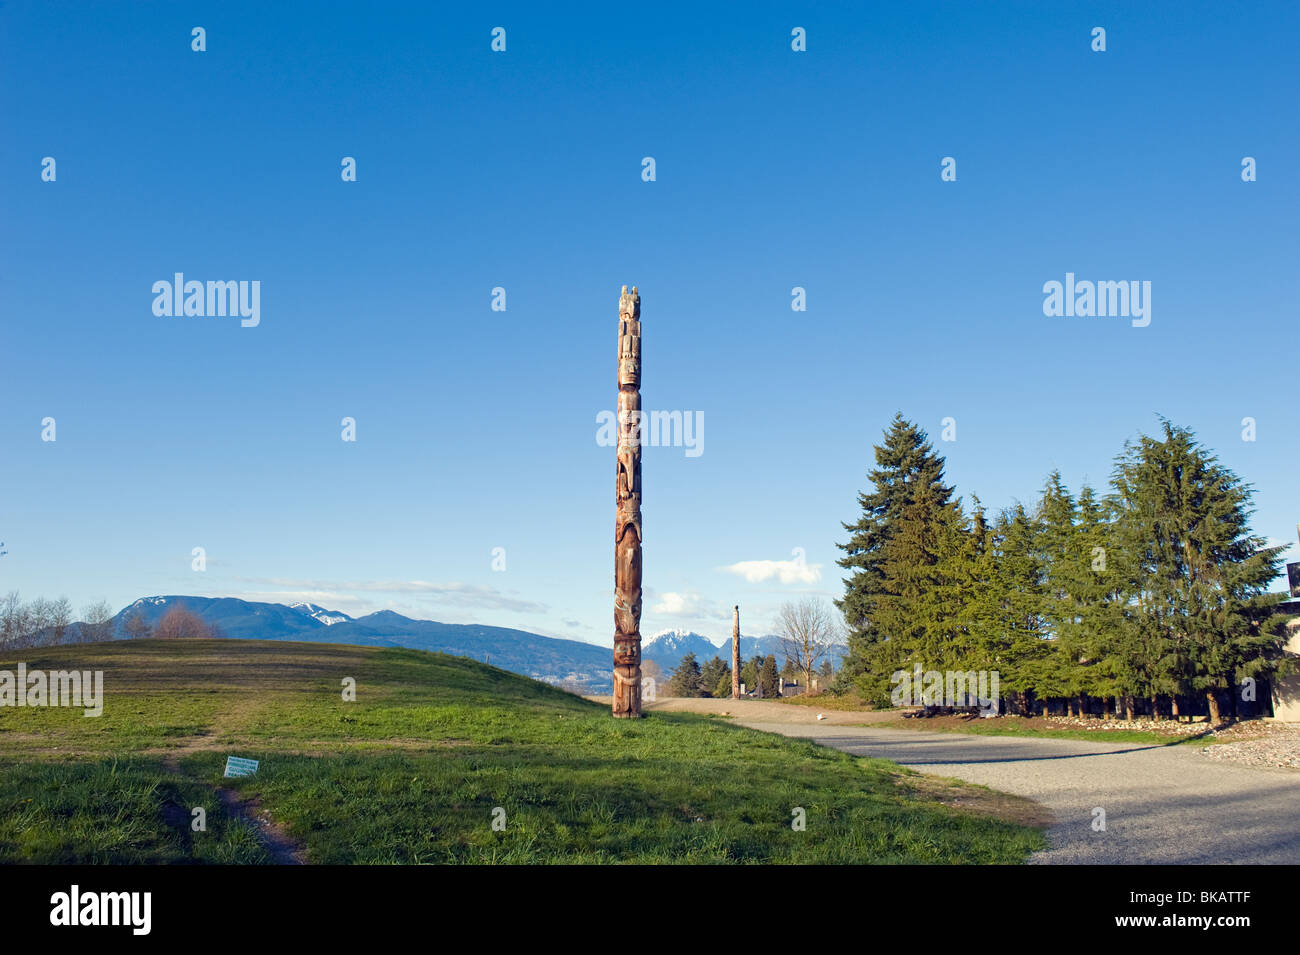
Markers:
(1163, 804)
(274, 836)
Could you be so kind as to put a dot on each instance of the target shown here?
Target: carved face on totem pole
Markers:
(629, 354)
(627, 651)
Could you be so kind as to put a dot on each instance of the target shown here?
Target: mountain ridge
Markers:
(572, 663)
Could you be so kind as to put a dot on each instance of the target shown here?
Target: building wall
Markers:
(1286, 692)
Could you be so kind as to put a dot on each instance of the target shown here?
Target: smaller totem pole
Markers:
(735, 654)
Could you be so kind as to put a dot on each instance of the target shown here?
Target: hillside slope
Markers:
(551, 659)
(433, 751)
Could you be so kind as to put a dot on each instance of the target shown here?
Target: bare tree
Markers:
(60, 617)
(97, 622)
(14, 620)
(33, 623)
(137, 628)
(40, 619)
(179, 623)
(807, 630)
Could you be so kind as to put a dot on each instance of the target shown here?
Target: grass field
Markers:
(413, 770)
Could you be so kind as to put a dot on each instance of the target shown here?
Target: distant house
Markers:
(1286, 692)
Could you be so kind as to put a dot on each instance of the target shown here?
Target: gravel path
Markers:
(1163, 804)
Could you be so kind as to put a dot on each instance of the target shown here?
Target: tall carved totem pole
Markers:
(627, 518)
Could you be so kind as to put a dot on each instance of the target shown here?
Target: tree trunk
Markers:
(1212, 698)
(1155, 708)
(627, 512)
(1173, 708)
(1128, 708)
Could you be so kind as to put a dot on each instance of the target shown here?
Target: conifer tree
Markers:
(686, 678)
(1056, 546)
(1097, 601)
(711, 675)
(768, 678)
(1029, 666)
(1202, 575)
(889, 603)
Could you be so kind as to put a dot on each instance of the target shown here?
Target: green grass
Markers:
(413, 770)
(110, 811)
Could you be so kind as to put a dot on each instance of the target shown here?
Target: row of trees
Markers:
(44, 622)
(807, 631)
(759, 675)
(1152, 593)
(713, 679)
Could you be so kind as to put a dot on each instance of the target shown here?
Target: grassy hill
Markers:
(412, 771)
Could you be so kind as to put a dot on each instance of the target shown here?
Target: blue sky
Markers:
(476, 429)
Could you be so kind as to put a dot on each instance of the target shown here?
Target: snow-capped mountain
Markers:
(326, 617)
(567, 662)
(667, 647)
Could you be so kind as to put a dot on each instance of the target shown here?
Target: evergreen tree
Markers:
(890, 601)
(712, 675)
(1098, 598)
(1054, 525)
(1201, 574)
(988, 634)
(1055, 549)
(1022, 656)
(977, 643)
(768, 678)
(686, 678)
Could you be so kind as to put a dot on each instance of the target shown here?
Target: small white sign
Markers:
(237, 766)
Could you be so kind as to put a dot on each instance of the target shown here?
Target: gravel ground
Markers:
(1163, 804)
(1186, 804)
(1274, 745)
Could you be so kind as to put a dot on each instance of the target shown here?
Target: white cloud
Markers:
(690, 604)
(794, 571)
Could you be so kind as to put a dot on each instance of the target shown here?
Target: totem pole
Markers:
(735, 654)
(627, 519)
